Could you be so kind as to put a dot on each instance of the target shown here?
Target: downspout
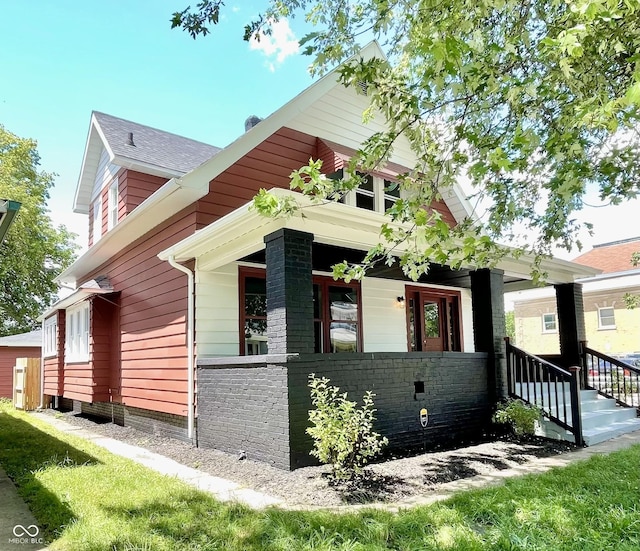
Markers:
(190, 342)
(42, 343)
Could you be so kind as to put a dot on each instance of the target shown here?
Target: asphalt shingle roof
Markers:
(611, 257)
(153, 146)
(32, 338)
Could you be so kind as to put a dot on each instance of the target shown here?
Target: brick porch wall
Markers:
(260, 404)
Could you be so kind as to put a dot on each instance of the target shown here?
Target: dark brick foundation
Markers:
(260, 405)
(153, 422)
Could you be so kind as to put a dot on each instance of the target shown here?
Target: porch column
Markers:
(289, 292)
(570, 321)
(487, 299)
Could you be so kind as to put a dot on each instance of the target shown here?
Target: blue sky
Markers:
(62, 59)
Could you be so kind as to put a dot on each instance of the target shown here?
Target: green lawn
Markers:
(85, 498)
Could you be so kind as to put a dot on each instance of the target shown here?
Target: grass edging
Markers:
(86, 498)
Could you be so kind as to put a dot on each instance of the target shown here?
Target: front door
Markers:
(433, 320)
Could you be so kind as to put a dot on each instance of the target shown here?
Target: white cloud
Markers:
(278, 46)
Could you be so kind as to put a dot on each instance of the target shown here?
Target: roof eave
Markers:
(170, 199)
(327, 222)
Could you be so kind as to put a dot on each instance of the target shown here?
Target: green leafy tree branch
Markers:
(530, 102)
(34, 251)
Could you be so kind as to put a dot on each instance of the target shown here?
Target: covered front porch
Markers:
(268, 313)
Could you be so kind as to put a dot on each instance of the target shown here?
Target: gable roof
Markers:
(139, 147)
(32, 338)
(611, 257)
(182, 190)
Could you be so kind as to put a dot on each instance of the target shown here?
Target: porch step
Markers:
(602, 418)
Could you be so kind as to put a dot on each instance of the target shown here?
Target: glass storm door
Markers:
(433, 321)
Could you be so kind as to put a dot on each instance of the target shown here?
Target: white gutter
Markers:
(190, 342)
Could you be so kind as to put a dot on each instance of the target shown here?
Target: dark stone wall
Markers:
(244, 408)
(487, 298)
(455, 395)
(153, 422)
(571, 327)
(289, 292)
(262, 408)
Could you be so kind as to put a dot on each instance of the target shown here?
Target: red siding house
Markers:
(196, 317)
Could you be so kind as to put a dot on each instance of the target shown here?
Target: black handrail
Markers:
(611, 377)
(556, 391)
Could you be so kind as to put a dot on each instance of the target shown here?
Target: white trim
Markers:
(113, 200)
(49, 337)
(613, 315)
(97, 219)
(77, 333)
(544, 323)
(170, 199)
(241, 232)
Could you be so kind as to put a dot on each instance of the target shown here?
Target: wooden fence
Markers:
(26, 383)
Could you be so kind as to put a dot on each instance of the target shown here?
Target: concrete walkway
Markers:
(225, 490)
(18, 527)
(222, 489)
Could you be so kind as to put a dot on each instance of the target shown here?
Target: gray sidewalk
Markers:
(18, 528)
(222, 489)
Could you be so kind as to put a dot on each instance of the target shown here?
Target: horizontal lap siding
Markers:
(54, 366)
(78, 382)
(101, 346)
(152, 314)
(52, 378)
(8, 356)
(135, 187)
(268, 165)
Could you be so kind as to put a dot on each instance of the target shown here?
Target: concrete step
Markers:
(600, 434)
(602, 418)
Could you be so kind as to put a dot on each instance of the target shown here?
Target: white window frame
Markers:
(555, 322)
(613, 315)
(77, 333)
(379, 195)
(113, 200)
(50, 334)
(97, 219)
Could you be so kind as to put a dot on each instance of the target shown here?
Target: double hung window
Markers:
(336, 314)
(606, 318)
(77, 333)
(50, 334)
(549, 323)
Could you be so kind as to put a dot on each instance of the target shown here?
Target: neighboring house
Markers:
(25, 345)
(610, 326)
(194, 316)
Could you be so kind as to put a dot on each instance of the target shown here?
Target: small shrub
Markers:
(342, 433)
(520, 416)
(6, 404)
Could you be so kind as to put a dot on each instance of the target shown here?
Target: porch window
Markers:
(50, 333)
(336, 314)
(77, 333)
(433, 319)
(549, 323)
(254, 313)
(606, 318)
